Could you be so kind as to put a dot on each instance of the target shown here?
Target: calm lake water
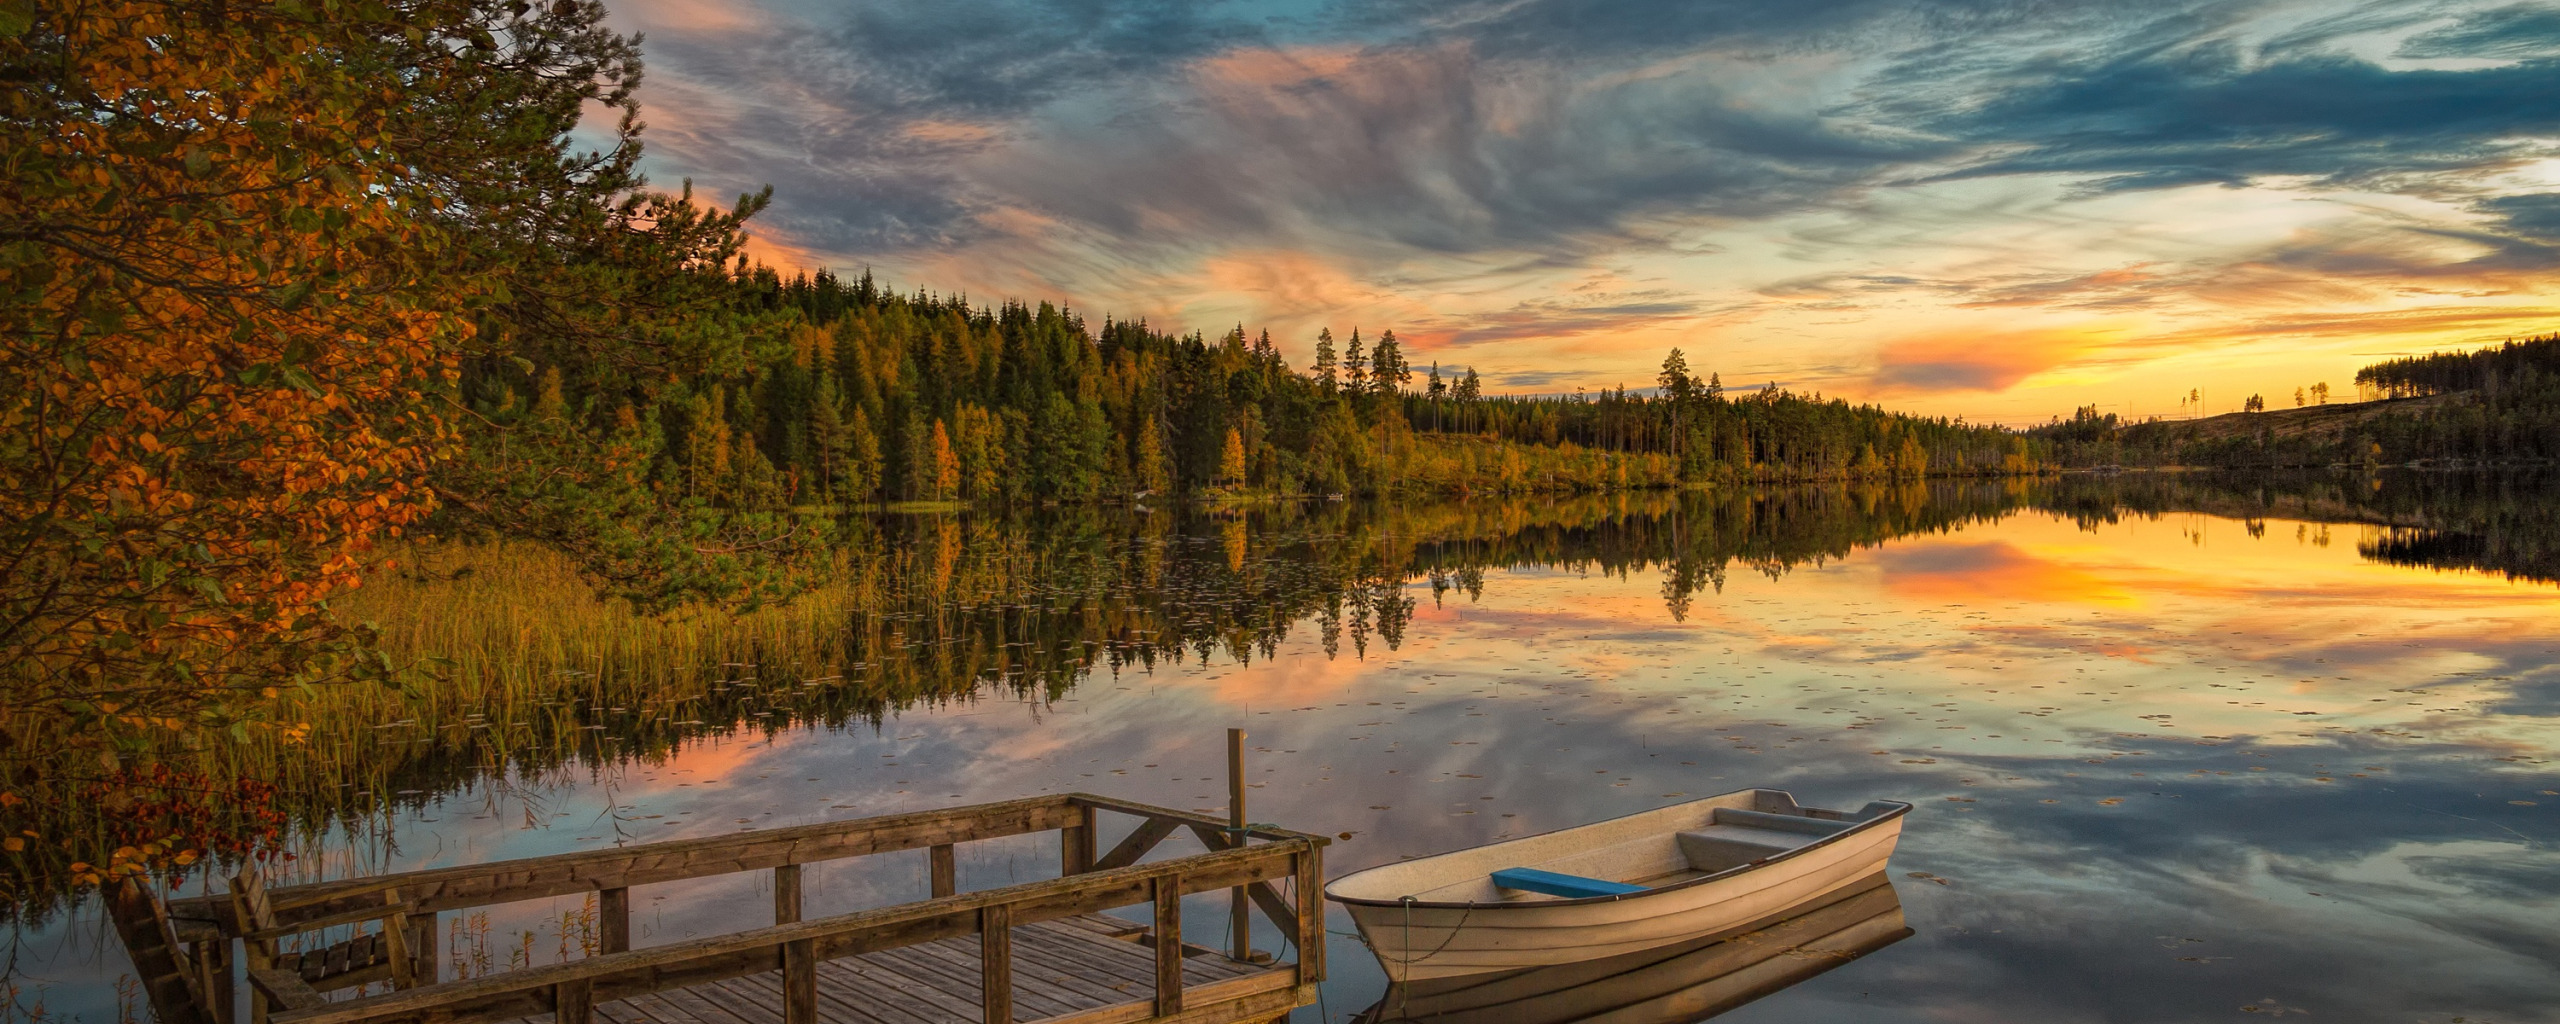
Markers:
(2182, 749)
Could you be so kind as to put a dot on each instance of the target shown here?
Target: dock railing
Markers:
(1247, 859)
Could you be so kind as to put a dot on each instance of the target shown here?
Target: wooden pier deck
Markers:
(1035, 951)
(1060, 969)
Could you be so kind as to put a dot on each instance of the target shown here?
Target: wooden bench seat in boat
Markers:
(1550, 883)
(1734, 837)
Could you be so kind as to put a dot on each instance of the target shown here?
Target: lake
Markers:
(2183, 747)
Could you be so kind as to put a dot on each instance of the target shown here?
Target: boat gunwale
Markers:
(1900, 808)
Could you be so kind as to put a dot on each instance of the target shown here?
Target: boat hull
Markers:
(1671, 985)
(1423, 940)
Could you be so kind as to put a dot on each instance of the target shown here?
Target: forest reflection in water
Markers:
(2185, 744)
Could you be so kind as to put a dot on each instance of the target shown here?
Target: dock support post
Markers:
(213, 960)
(1168, 945)
(422, 945)
(1237, 906)
(1310, 937)
(786, 894)
(613, 920)
(800, 982)
(573, 1001)
(995, 956)
(946, 871)
(1076, 843)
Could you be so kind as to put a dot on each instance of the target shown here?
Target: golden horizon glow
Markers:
(2246, 201)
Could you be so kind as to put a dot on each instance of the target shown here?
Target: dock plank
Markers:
(1064, 968)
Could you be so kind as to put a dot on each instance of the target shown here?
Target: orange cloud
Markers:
(1972, 361)
(1288, 285)
(690, 17)
(1274, 68)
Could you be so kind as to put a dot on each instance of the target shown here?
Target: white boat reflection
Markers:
(1674, 984)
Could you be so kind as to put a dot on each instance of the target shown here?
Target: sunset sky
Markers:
(1996, 208)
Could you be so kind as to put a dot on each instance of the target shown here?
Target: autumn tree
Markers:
(945, 464)
(262, 269)
(1231, 471)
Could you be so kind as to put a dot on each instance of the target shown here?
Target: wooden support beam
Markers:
(1264, 996)
(613, 920)
(422, 945)
(574, 1001)
(1136, 844)
(1282, 916)
(800, 982)
(285, 988)
(1076, 843)
(1239, 920)
(946, 871)
(168, 980)
(395, 942)
(214, 960)
(995, 963)
(480, 885)
(1308, 936)
(786, 893)
(1168, 941)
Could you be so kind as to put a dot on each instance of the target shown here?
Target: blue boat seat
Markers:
(1550, 883)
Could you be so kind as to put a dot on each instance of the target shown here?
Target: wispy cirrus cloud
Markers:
(1983, 203)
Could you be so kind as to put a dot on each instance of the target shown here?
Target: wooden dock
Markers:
(1036, 951)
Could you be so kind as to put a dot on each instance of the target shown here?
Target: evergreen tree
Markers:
(862, 460)
(830, 439)
(1388, 372)
(1149, 464)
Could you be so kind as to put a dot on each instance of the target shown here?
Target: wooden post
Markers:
(1168, 945)
(995, 958)
(1236, 902)
(214, 959)
(1076, 843)
(946, 871)
(573, 1001)
(800, 982)
(422, 945)
(1310, 937)
(395, 941)
(613, 920)
(786, 893)
(167, 979)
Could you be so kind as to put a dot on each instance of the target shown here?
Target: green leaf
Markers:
(199, 163)
(16, 17)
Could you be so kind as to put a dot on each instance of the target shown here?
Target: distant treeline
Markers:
(879, 395)
(2494, 406)
(2531, 364)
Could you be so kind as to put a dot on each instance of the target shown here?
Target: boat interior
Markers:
(1716, 835)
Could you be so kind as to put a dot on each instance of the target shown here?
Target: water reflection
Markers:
(1676, 984)
(2184, 745)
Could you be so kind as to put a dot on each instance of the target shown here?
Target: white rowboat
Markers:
(1676, 984)
(1669, 875)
